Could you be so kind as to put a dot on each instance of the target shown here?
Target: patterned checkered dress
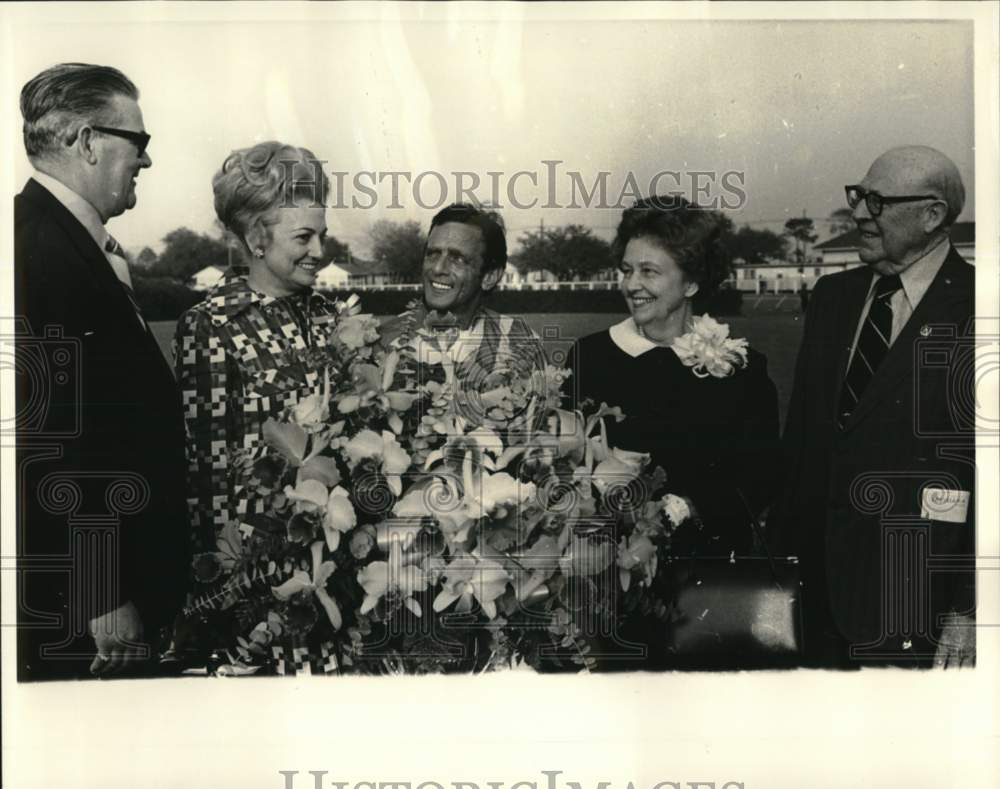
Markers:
(241, 357)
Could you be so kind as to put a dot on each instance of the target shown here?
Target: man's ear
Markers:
(491, 279)
(934, 217)
(84, 145)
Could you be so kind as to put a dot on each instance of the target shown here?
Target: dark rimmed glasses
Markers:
(875, 202)
(139, 139)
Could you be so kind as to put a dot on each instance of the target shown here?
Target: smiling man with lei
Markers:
(490, 355)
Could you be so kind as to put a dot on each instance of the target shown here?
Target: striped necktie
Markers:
(112, 247)
(873, 344)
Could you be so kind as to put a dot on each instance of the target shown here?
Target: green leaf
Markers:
(287, 438)
(502, 539)
(320, 468)
(265, 523)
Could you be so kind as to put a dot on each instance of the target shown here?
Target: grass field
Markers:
(772, 327)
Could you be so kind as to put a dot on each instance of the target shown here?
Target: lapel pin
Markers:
(947, 281)
(925, 331)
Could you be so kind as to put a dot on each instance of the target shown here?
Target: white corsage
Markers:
(676, 509)
(708, 350)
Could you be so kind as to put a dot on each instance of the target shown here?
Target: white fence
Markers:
(599, 285)
(792, 284)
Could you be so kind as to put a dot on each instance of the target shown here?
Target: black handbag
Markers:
(734, 612)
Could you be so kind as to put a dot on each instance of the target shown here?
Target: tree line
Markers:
(186, 252)
(567, 251)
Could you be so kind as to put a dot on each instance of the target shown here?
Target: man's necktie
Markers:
(873, 344)
(112, 247)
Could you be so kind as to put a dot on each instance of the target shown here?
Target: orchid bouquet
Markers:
(402, 534)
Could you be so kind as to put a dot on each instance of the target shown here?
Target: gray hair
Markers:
(62, 98)
(947, 182)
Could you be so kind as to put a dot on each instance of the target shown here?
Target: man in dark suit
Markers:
(880, 433)
(102, 526)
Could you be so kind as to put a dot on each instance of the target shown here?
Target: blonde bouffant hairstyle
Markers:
(255, 183)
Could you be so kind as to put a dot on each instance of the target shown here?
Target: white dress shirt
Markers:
(916, 280)
(87, 216)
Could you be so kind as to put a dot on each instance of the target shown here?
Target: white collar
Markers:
(77, 205)
(917, 278)
(627, 337)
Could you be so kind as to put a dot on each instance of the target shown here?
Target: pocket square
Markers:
(942, 504)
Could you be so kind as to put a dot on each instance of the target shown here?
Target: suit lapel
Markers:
(852, 301)
(945, 290)
(91, 257)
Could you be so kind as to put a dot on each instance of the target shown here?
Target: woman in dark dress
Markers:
(710, 420)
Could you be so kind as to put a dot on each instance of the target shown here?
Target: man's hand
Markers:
(957, 647)
(119, 638)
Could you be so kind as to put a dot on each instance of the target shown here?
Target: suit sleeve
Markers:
(50, 294)
(782, 530)
(963, 450)
(200, 361)
(757, 464)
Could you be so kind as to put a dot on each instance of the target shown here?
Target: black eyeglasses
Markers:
(139, 139)
(875, 202)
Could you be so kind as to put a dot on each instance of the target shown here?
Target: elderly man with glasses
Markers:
(102, 532)
(879, 437)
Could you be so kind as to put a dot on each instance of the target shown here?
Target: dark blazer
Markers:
(101, 511)
(712, 436)
(852, 496)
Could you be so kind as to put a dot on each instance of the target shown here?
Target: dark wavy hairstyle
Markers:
(690, 234)
(490, 224)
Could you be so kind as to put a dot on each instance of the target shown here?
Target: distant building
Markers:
(844, 248)
(360, 275)
(836, 254)
(781, 277)
(206, 279)
(513, 279)
(333, 276)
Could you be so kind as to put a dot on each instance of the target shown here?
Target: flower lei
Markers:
(708, 349)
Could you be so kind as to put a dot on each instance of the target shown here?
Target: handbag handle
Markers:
(759, 534)
(758, 531)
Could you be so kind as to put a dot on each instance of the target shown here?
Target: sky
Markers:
(800, 107)
(792, 110)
